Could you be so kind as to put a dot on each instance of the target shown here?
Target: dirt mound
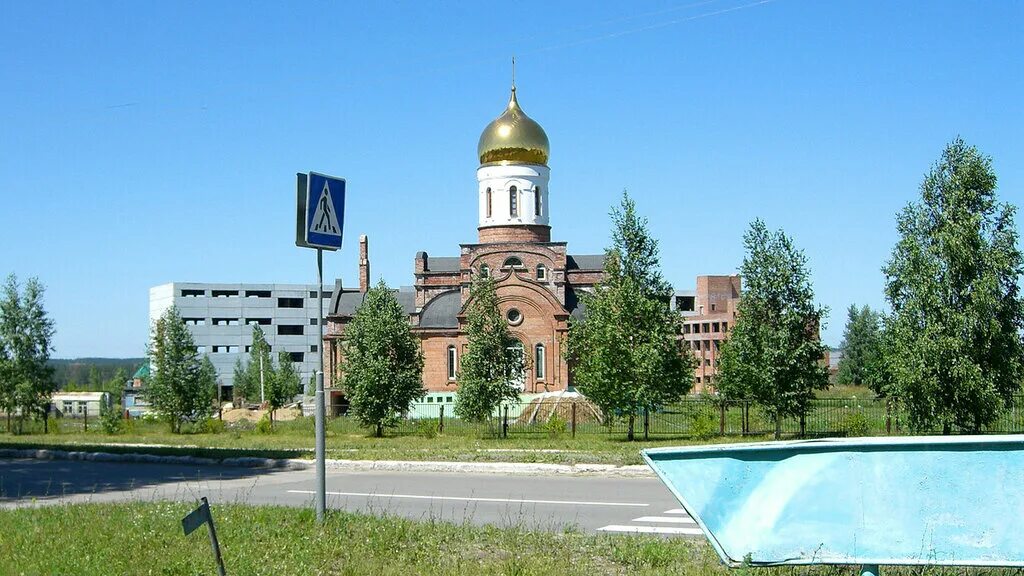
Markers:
(541, 408)
(280, 415)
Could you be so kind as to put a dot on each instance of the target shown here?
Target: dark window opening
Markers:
(289, 302)
(536, 201)
(513, 201)
(260, 321)
(488, 202)
(224, 293)
(257, 293)
(296, 356)
(513, 262)
(290, 329)
(192, 293)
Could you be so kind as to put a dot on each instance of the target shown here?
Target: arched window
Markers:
(542, 272)
(536, 201)
(513, 201)
(488, 202)
(538, 361)
(485, 271)
(452, 362)
(512, 262)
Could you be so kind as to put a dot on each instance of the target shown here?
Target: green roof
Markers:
(142, 372)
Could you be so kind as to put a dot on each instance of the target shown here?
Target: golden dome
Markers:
(513, 137)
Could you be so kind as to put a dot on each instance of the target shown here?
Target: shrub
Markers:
(704, 424)
(556, 425)
(856, 424)
(110, 419)
(264, 426)
(427, 427)
(213, 426)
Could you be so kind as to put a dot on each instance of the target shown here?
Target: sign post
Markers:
(320, 212)
(197, 518)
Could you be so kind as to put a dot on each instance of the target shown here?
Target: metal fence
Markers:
(690, 417)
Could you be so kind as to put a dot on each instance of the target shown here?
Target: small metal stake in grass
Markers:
(197, 518)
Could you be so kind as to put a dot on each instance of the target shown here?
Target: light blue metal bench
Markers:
(955, 501)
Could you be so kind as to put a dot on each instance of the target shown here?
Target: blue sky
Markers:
(143, 143)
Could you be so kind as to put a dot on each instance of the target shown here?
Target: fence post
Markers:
(745, 417)
(504, 423)
(803, 425)
(574, 419)
(647, 422)
(888, 417)
(440, 421)
(721, 419)
(86, 417)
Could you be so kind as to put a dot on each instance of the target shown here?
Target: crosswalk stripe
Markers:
(675, 511)
(666, 519)
(651, 530)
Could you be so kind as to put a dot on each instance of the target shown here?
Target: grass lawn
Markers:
(146, 538)
(294, 439)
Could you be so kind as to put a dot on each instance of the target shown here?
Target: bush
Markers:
(856, 424)
(556, 425)
(264, 426)
(704, 424)
(212, 426)
(110, 419)
(427, 427)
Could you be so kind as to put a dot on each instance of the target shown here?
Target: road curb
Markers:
(516, 468)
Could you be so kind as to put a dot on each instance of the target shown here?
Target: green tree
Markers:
(954, 350)
(26, 335)
(383, 362)
(284, 385)
(774, 355)
(861, 347)
(259, 369)
(180, 388)
(626, 353)
(493, 365)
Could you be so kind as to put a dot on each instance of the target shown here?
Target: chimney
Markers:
(364, 265)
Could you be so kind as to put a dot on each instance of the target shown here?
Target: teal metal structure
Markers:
(869, 501)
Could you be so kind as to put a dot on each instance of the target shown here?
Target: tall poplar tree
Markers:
(26, 340)
(626, 354)
(493, 362)
(954, 354)
(179, 389)
(382, 363)
(773, 354)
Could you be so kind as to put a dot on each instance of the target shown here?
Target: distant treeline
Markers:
(93, 373)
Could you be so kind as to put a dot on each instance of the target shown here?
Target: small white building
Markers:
(78, 404)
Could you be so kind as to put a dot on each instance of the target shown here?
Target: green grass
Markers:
(294, 439)
(146, 538)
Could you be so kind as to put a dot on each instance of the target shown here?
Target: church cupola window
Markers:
(512, 262)
(488, 202)
(514, 316)
(536, 201)
(513, 201)
(542, 272)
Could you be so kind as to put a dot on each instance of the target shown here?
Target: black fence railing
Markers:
(699, 417)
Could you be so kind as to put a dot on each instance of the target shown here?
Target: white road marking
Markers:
(675, 511)
(651, 530)
(476, 499)
(666, 519)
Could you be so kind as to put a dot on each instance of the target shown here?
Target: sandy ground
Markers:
(280, 415)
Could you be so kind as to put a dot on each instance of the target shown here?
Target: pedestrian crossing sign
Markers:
(324, 211)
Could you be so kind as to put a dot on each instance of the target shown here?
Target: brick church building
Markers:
(537, 280)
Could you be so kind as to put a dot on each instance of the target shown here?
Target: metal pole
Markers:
(321, 480)
(213, 539)
(262, 399)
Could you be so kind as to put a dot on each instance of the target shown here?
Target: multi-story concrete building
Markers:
(220, 318)
(708, 312)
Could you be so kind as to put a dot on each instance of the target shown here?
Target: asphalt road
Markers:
(588, 503)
